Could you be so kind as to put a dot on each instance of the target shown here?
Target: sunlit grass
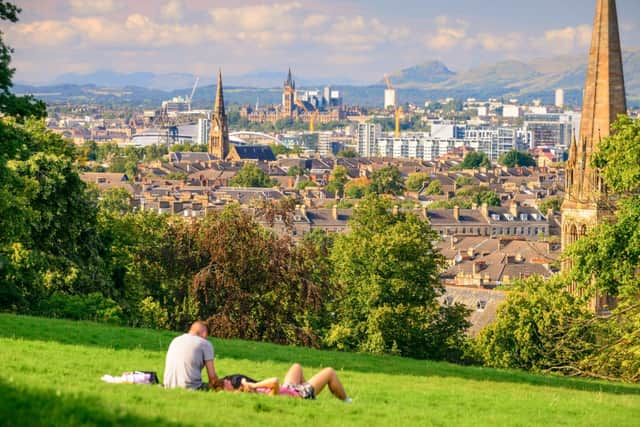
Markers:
(50, 375)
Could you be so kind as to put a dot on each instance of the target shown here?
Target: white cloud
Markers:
(173, 10)
(565, 40)
(448, 35)
(92, 7)
(257, 17)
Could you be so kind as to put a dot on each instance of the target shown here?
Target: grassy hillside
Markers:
(51, 373)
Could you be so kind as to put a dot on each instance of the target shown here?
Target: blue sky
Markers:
(353, 40)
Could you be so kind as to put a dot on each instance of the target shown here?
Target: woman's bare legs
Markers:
(328, 377)
(294, 375)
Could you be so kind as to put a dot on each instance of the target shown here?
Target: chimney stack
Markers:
(514, 208)
(396, 210)
(334, 212)
(456, 213)
(484, 210)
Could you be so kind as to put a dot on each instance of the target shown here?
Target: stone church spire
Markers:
(586, 201)
(219, 104)
(219, 134)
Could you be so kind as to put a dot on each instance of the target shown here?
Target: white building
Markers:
(511, 111)
(559, 98)
(389, 98)
(202, 134)
(367, 135)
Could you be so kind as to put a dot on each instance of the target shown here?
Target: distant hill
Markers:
(536, 79)
(429, 72)
(513, 78)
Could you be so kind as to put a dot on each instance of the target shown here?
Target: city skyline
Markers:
(359, 40)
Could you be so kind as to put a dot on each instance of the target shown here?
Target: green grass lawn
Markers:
(50, 375)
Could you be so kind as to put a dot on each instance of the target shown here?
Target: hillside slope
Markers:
(51, 369)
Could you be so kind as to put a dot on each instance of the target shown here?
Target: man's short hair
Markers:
(198, 327)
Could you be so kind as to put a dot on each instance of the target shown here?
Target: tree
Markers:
(19, 107)
(434, 188)
(387, 180)
(347, 154)
(339, 177)
(516, 158)
(474, 160)
(554, 203)
(540, 326)
(463, 181)
(546, 326)
(416, 181)
(357, 188)
(256, 286)
(387, 269)
(297, 171)
(48, 241)
(252, 176)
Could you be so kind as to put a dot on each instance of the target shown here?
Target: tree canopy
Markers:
(516, 158)
(252, 176)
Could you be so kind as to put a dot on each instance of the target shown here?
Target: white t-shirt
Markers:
(185, 359)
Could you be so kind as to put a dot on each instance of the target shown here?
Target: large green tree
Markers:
(388, 271)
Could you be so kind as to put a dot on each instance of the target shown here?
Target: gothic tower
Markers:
(219, 136)
(288, 96)
(586, 201)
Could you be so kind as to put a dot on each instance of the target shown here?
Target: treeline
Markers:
(68, 251)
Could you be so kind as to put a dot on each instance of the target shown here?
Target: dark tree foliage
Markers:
(475, 160)
(19, 107)
(515, 158)
(255, 286)
(387, 180)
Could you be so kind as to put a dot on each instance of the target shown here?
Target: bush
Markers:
(152, 314)
(93, 306)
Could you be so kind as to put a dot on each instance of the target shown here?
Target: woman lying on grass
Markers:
(294, 384)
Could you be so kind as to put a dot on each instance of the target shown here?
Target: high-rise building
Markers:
(389, 98)
(219, 133)
(202, 132)
(586, 202)
(367, 134)
(549, 130)
(559, 98)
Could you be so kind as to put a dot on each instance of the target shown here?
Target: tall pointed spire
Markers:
(219, 105)
(289, 81)
(586, 202)
(604, 96)
(219, 133)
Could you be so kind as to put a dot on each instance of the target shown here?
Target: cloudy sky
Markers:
(354, 39)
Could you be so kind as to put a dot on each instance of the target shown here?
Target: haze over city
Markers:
(354, 41)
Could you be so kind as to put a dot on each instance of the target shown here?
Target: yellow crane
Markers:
(312, 121)
(399, 113)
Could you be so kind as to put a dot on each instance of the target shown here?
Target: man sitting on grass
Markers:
(186, 357)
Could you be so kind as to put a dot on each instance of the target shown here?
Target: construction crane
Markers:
(193, 92)
(312, 121)
(399, 113)
(388, 82)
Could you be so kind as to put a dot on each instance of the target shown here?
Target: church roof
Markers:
(255, 152)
